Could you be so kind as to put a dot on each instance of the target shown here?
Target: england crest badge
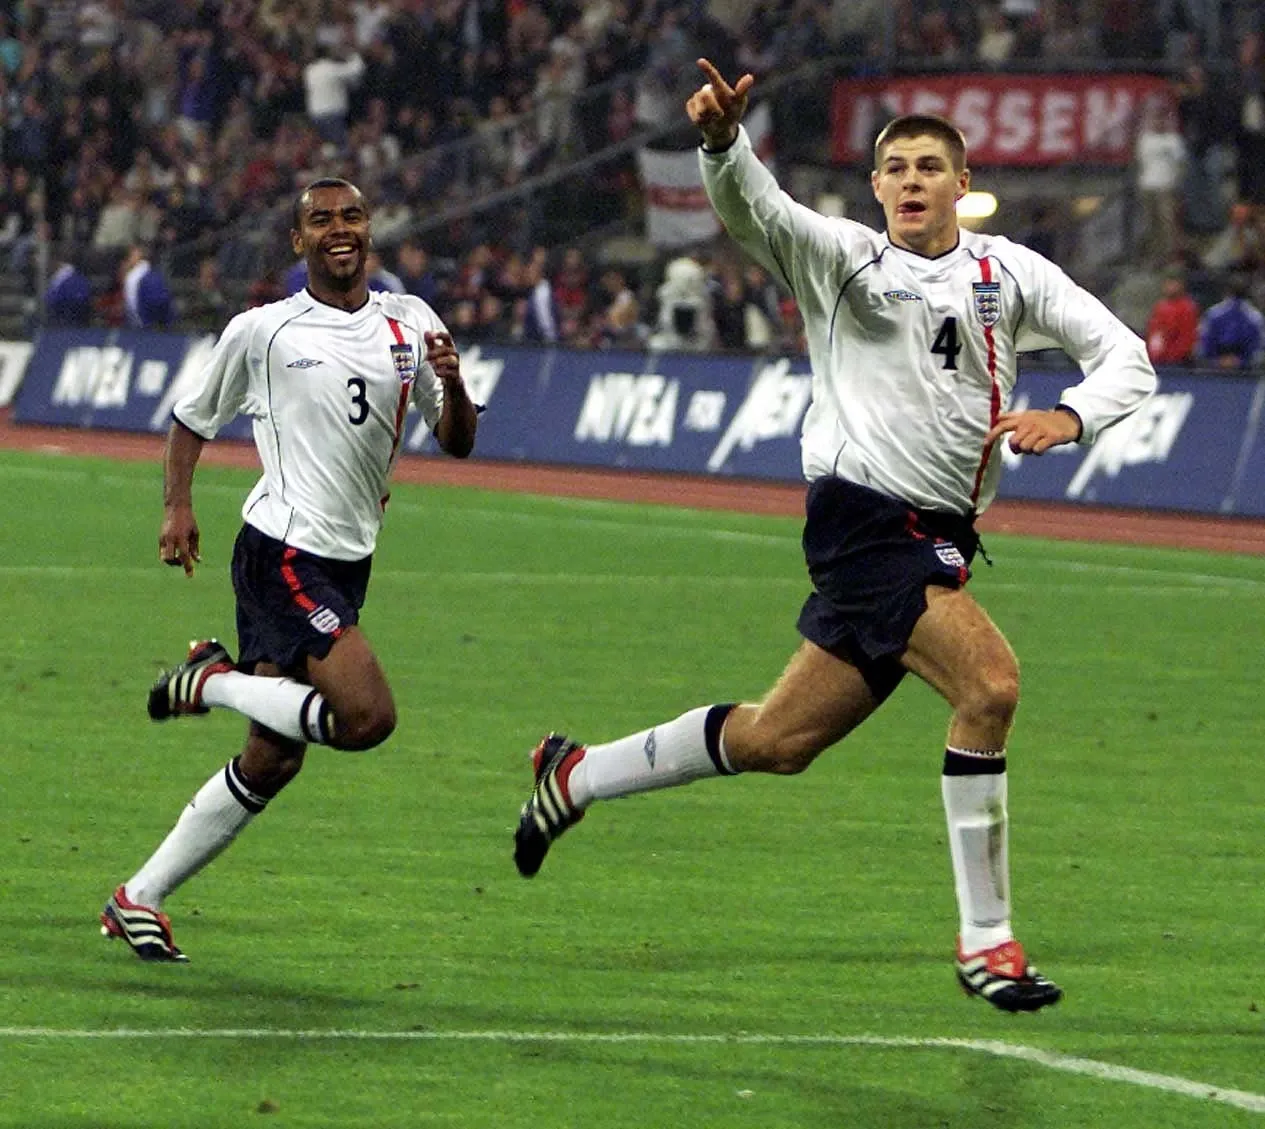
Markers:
(405, 365)
(987, 302)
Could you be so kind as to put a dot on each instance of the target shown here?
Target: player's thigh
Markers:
(957, 649)
(817, 701)
(351, 679)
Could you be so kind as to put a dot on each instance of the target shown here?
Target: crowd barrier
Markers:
(1193, 447)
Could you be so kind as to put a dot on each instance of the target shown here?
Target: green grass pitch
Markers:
(759, 952)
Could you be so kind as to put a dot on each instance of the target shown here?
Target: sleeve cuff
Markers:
(723, 149)
(1085, 438)
(192, 430)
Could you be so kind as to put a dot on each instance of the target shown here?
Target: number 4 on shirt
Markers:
(946, 343)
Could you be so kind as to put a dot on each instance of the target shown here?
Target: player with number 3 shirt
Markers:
(327, 376)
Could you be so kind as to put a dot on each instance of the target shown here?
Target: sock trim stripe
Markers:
(974, 762)
(712, 726)
(249, 800)
(316, 723)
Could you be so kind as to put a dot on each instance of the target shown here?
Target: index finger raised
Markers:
(719, 85)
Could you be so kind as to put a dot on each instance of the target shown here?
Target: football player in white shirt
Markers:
(913, 335)
(327, 375)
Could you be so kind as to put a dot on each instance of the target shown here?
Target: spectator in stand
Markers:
(379, 277)
(791, 337)
(196, 97)
(619, 323)
(393, 217)
(541, 318)
(295, 278)
(1232, 333)
(1201, 110)
(327, 82)
(68, 299)
(1129, 29)
(997, 37)
(1042, 232)
(729, 306)
(146, 297)
(79, 218)
(208, 307)
(1173, 328)
(19, 207)
(413, 266)
(119, 222)
(1069, 37)
(1250, 132)
(571, 289)
(1240, 246)
(267, 288)
(685, 309)
(1160, 159)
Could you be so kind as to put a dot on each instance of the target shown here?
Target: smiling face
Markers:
(917, 183)
(332, 235)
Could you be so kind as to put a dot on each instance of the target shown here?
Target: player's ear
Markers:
(874, 182)
(296, 242)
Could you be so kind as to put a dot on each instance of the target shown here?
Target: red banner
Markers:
(1007, 119)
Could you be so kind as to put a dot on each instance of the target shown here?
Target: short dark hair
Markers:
(924, 125)
(323, 182)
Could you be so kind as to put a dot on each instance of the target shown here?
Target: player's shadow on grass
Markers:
(818, 1078)
(207, 983)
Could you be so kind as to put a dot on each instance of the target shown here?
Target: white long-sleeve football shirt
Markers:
(914, 358)
(328, 391)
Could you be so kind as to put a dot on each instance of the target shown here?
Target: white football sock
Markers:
(283, 705)
(673, 753)
(975, 809)
(210, 821)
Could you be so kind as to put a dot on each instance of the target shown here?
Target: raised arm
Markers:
(804, 249)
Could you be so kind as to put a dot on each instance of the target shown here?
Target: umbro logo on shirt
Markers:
(304, 362)
(902, 295)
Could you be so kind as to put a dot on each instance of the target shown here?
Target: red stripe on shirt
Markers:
(401, 407)
(994, 405)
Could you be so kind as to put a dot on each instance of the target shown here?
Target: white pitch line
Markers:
(1200, 584)
(1053, 1060)
(1138, 570)
(1203, 586)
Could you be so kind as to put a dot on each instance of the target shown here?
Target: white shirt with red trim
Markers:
(328, 391)
(914, 358)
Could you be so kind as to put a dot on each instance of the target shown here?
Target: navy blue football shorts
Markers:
(291, 604)
(871, 557)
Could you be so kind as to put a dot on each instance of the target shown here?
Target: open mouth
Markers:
(342, 252)
(911, 208)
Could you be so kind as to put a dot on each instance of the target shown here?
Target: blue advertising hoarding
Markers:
(1195, 446)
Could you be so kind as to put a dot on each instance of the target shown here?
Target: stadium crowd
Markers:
(160, 141)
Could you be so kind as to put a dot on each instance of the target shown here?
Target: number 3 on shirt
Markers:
(946, 343)
(360, 405)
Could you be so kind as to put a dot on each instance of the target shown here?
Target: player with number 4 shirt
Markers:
(913, 334)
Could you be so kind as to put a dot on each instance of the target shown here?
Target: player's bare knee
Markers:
(365, 728)
(992, 697)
